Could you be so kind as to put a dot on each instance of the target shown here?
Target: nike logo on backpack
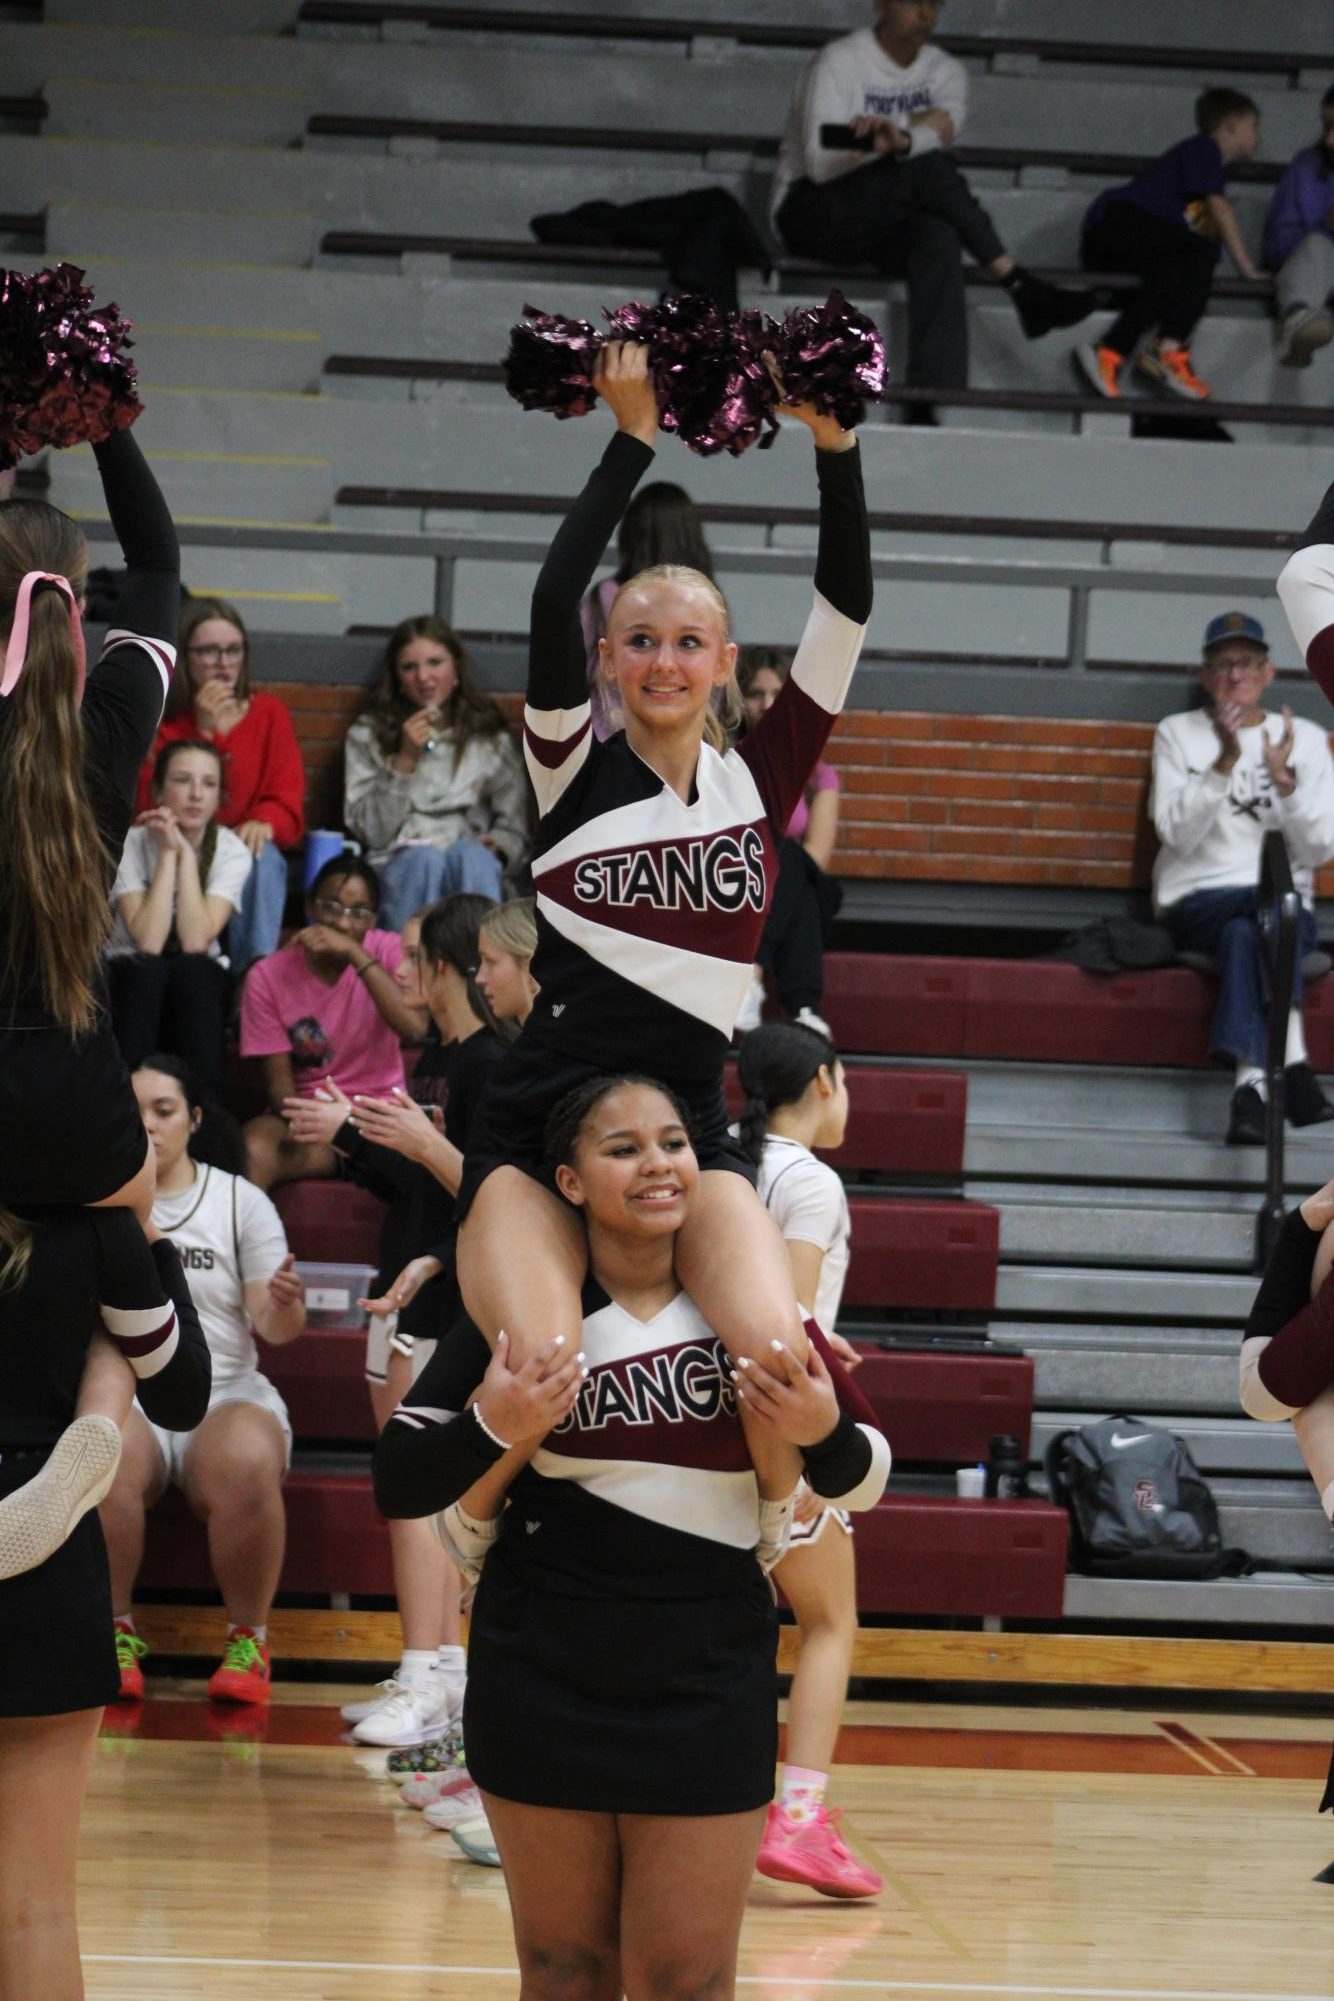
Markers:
(1139, 1438)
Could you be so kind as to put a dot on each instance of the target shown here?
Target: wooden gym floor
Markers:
(1052, 1852)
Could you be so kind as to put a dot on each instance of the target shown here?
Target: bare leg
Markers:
(140, 1481)
(684, 1885)
(563, 1874)
(1314, 1430)
(819, 1580)
(43, 1776)
(274, 1156)
(233, 1482)
(426, 1583)
(534, 1296)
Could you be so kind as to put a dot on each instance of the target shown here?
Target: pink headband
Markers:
(16, 652)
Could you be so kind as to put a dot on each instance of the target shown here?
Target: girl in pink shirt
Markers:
(325, 1005)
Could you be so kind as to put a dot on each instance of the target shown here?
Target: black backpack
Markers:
(1138, 1504)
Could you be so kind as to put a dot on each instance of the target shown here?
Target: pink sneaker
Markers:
(423, 1789)
(813, 1852)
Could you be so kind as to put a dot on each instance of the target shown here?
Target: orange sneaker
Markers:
(1101, 367)
(243, 1674)
(1169, 367)
(130, 1650)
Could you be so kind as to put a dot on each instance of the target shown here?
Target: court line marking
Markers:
(1026, 1992)
(1190, 1746)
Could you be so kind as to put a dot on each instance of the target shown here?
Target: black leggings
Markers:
(176, 1002)
(910, 219)
(1176, 266)
(805, 903)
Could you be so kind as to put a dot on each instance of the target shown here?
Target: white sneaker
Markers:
(407, 1713)
(751, 1011)
(357, 1712)
(477, 1842)
(39, 1516)
(1305, 329)
(452, 1810)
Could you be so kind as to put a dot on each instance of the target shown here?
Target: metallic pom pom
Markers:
(65, 373)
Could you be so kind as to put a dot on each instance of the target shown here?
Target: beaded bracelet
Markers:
(503, 1443)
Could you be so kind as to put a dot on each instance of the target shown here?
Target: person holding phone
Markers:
(866, 175)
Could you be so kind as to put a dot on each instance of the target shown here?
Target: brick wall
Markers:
(1003, 799)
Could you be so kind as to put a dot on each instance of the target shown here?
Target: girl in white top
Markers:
(231, 1466)
(180, 882)
(796, 1098)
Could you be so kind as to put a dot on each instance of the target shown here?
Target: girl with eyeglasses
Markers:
(182, 877)
(326, 1005)
(213, 701)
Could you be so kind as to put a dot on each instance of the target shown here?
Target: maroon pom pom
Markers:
(65, 374)
(831, 356)
(550, 363)
(692, 359)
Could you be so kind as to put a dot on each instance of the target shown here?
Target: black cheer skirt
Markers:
(626, 1705)
(525, 1088)
(61, 1651)
(70, 1130)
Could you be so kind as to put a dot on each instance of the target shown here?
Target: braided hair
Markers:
(571, 1113)
(777, 1064)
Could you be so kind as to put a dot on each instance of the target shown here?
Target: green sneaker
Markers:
(130, 1650)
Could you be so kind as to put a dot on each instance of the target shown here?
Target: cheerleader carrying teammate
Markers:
(653, 864)
(71, 744)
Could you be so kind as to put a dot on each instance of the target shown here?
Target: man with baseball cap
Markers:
(1223, 775)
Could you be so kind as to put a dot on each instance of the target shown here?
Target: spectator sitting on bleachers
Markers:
(433, 783)
(181, 879)
(326, 1005)
(264, 777)
(805, 900)
(888, 192)
(661, 525)
(231, 1467)
(1167, 226)
(1299, 246)
(1223, 775)
(505, 947)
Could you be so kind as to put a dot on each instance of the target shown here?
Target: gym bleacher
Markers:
(316, 211)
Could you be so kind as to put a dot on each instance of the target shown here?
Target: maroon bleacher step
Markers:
(945, 1409)
(915, 1554)
(322, 1379)
(939, 1255)
(899, 1121)
(331, 1222)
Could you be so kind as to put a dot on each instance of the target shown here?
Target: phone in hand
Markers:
(842, 139)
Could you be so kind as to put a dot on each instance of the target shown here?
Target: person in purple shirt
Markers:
(1299, 246)
(1167, 226)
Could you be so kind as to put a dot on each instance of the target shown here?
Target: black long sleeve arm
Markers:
(1286, 1286)
(557, 662)
(843, 557)
(176, 1395)
(149, 601)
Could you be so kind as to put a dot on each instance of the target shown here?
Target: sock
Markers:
(1296, 1047)
(257, 1633)
(1327, 1500)
(125, 1620)
(416, 1665)
(1250, 1074)
(802, 1792)
(451, 1660)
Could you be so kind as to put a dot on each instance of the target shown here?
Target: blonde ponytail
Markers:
(15, 1250)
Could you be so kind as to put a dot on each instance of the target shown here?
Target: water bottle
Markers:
(1007, 1469)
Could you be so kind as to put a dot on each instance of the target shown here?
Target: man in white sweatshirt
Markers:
(896, 199)
(1223, 775)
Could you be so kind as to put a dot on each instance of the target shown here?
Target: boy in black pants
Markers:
(1167, 226)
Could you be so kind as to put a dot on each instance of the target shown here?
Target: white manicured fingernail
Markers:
(559, 1341)
(743, 1361)
(777, 1347)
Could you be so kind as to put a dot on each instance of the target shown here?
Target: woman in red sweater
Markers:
(264, 780)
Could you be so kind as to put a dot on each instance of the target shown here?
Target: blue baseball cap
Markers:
(1234, 625)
